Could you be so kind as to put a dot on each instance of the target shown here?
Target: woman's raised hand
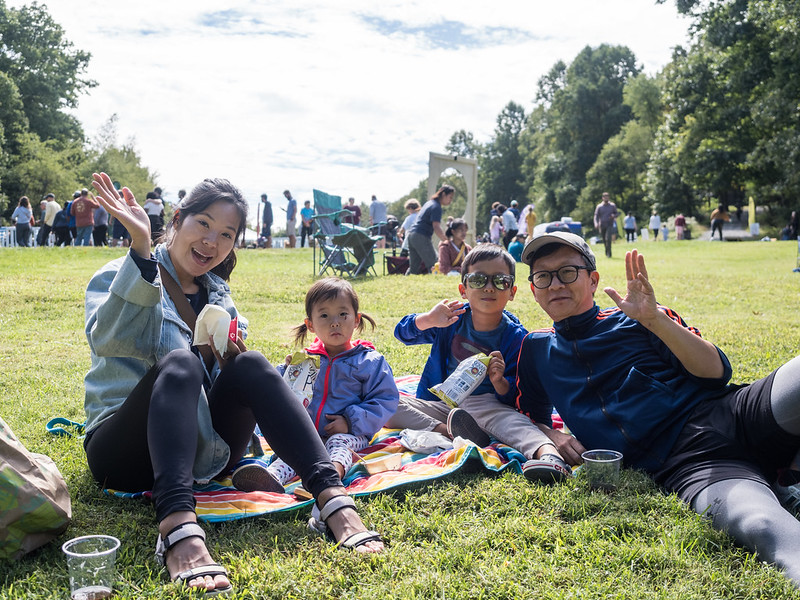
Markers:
(127, 210)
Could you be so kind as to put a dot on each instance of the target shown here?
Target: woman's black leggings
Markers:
(151, 440)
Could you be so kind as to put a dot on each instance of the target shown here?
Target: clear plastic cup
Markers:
(90, 559)
(601, 468)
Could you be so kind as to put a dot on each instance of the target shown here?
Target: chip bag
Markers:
(300, 374)
(462, 382)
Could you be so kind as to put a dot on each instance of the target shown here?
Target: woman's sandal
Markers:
(320, 516)
(180, 533)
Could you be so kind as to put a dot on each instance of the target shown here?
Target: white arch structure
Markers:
(468, 167)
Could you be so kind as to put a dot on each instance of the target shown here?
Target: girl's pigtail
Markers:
(300, 333)
(365, 317)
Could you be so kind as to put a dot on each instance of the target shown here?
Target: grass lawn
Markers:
(473, 536)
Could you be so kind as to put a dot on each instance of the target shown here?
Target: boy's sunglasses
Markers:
(478, 281)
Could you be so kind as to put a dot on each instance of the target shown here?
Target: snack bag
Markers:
(462, 382)
(300, 374)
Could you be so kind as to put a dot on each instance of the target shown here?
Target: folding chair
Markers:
(356, 242)
(326, 224)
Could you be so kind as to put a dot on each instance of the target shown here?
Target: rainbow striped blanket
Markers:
(385, 465)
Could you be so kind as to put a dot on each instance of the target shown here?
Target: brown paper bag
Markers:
(34, 500)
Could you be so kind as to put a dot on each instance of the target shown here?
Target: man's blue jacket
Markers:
(615, 384)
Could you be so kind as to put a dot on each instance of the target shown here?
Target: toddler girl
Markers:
(354, 393)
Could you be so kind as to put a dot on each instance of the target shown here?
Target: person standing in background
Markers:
(154, 207)
(355, 217)
(51, 210)
(291, 218)
(306, 214)
(377, 216)
(509, 226)
(83, 210)
(421, 253)
(655, 224)
(266, 221)
(718, 218)
(629, 225)
(100, 231)
(23, 217)
(605, 215)
(680, 225)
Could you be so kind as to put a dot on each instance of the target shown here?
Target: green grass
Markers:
(473, 536)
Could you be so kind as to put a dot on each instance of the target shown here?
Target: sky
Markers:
(346, 96)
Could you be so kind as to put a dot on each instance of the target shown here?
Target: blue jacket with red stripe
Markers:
(357, 384)
(615, 384)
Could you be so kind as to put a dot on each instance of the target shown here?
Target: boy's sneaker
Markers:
(253, 476)
(548, 468)
(461, 424)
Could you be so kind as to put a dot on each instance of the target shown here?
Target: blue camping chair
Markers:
(345, 250)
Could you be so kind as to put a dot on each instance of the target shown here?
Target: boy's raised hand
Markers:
(496, 371)
(444, 314)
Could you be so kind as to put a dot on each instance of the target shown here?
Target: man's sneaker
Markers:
(461, 424)
(787, 489)
(548, 468)
(252, 476)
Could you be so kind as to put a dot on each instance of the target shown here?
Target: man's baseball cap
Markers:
(49, 196)
(564, 238)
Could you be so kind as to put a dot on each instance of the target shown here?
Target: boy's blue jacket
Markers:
(441, 338)
(615, 384)
(357, 384)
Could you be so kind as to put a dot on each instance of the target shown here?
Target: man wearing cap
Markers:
(604, 217)
(637, 379)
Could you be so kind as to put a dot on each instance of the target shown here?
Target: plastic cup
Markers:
(602, 468)
(90, 559)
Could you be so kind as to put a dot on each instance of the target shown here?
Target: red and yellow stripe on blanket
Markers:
(384, 465)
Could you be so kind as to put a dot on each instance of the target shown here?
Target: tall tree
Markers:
(47, 70)
(621, 165)
(581, 109)
(500, 172)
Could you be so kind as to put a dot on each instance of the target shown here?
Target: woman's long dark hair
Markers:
(445, 190)
(204, 194)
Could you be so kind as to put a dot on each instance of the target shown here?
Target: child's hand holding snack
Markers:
(496, 372)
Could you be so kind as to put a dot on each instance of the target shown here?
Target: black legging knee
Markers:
(250, 390)
(150, 442)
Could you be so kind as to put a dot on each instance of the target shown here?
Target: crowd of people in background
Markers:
(81, 221)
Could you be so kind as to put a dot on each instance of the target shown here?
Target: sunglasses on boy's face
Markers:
(478, 281)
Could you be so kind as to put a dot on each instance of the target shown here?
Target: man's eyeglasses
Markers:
(566, 274)
(478, 281)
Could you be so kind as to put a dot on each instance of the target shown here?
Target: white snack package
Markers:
(213, 326)
(462, 382)
(300, 374)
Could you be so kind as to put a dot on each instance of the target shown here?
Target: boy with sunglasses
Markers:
(457, 330)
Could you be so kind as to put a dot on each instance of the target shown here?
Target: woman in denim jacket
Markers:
(159, 415)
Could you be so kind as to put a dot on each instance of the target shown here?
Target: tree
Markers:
(500, 175)
(621, 166)
(121, 161)
(46, 69)
(579, 109)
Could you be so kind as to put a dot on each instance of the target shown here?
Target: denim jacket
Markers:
(131, 324)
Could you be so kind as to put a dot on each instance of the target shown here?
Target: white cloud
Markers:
(348, 97)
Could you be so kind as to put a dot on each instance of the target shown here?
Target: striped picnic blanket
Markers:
(385, 465)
